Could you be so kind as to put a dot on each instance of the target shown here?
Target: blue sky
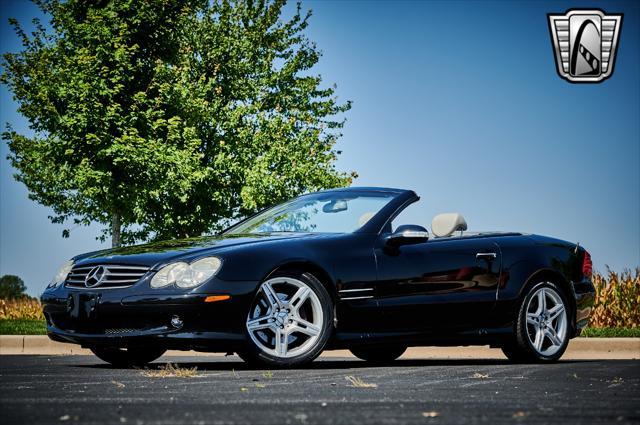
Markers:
(459, 101)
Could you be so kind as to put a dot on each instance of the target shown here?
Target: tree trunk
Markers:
(116, 226)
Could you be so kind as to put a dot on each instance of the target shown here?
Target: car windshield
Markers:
(329, 212)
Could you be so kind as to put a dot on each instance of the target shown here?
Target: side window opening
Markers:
(413, 214)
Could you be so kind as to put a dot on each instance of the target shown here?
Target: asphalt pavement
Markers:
(82, 389)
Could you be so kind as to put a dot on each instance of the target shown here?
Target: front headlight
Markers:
(61, 276)
(186, 275)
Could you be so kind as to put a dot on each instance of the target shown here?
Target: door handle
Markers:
(486, 255)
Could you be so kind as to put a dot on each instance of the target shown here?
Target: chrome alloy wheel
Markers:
(285, 319)
(546, 321)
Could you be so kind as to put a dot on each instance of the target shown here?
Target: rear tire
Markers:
(542, 326)
(378, 354)
(128, 357)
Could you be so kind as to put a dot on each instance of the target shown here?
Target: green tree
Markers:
(11, 287)
(168, 118)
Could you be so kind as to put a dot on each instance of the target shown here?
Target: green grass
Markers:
(22, 327)
(611, 332)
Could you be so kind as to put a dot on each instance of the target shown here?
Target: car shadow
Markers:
(232, 364)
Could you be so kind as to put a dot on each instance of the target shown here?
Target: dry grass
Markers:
(24, 308)
(617, 303)
(431, 414)
(520, 415)
(359, 383)
(171, 371)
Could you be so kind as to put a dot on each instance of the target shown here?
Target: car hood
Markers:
(164, 251)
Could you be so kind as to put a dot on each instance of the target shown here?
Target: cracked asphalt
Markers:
(82, 389)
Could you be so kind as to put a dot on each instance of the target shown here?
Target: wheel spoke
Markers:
(259, 323)
(271, 295)
(532, 319)
(299, 297)
(542, 301)
(553, 336)
(282, 341)
(306, 327)
(539, 339)
(556, 311)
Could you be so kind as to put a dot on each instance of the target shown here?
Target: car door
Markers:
(442, 284)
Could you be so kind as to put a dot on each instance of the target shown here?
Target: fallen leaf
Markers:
(118, 384)
(480, 375)
(431, 414)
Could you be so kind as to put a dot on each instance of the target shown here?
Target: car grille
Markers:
(108, 275)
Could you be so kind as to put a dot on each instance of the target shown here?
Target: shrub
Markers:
(617, 303)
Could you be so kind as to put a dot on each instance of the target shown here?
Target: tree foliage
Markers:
(11, 287)
(168, 118)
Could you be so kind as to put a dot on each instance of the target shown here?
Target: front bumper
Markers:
(139, 315)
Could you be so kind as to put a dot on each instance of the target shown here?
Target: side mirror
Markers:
(407, 234)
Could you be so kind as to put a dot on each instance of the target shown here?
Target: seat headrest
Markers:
(445, 224)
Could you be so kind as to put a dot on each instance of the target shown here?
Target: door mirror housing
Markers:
(407, 234)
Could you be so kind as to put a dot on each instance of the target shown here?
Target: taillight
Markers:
(587, 265)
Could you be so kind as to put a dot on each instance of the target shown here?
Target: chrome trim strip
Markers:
(112, 266)
(97, 288)
(120, 280)
(355, 290)
(356, 298)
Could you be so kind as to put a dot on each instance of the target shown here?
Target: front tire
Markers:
(289, 322)
(542, 326)
(128, 357)
(378, 354)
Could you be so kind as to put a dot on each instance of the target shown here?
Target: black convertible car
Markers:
(327, 270)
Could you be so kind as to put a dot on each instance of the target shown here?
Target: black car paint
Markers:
(432, 293)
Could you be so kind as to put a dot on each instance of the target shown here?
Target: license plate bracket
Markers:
(83, 306)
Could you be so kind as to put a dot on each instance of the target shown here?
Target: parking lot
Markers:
(221, 390)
